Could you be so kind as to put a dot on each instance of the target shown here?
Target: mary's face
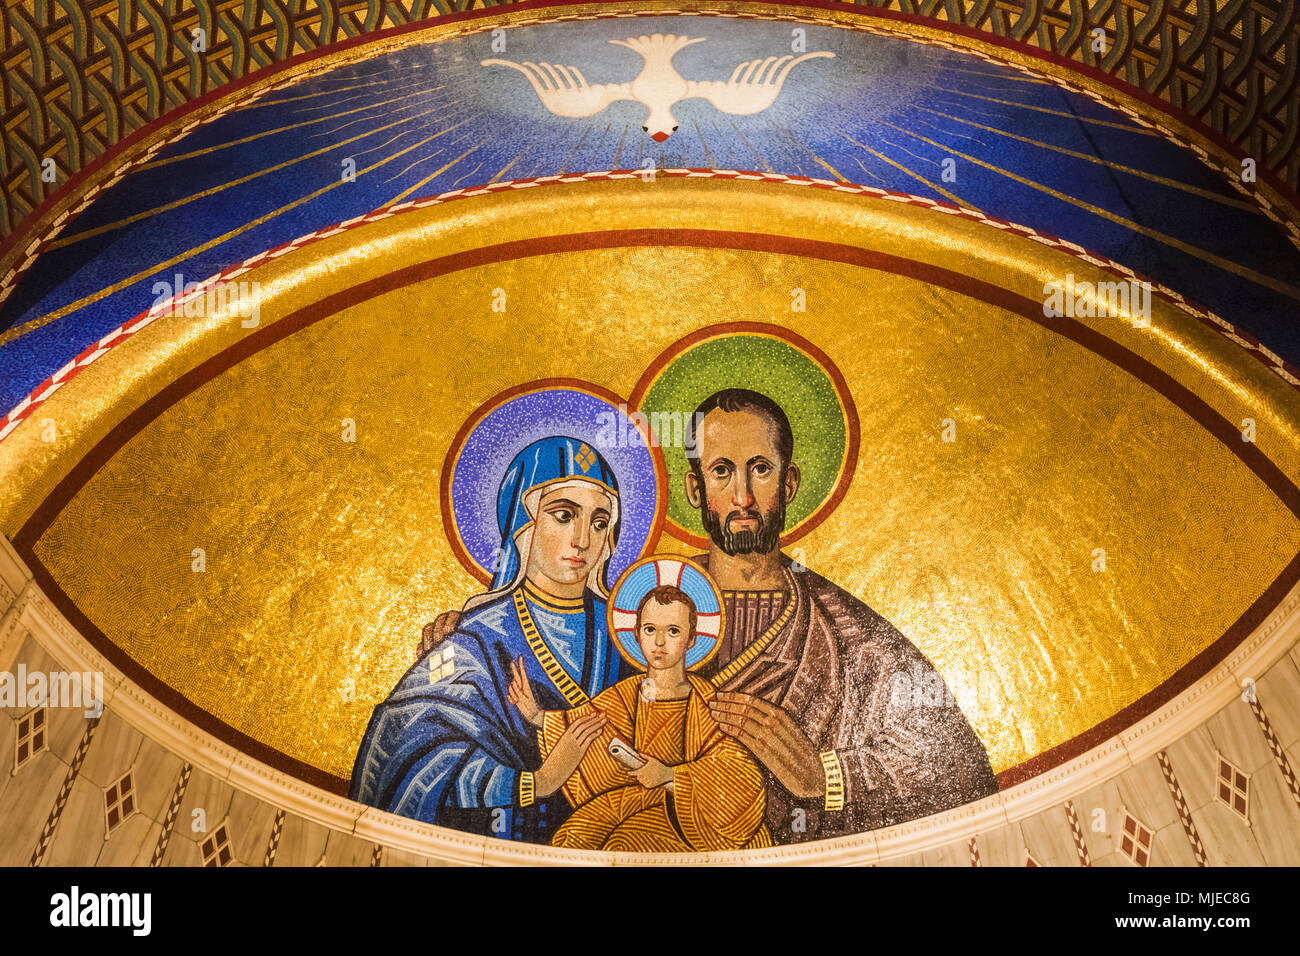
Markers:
(569, 537)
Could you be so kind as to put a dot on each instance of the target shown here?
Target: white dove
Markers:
(752, 87)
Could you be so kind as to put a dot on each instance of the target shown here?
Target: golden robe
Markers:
(718, 799)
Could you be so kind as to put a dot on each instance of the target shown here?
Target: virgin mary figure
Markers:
(447, 746)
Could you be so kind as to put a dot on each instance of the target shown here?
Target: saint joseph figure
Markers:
(806, 672)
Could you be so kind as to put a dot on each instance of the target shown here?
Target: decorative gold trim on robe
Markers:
(834, 780)
(550, 600)
(753, 650)
(554, 670)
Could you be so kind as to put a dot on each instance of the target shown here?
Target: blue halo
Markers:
(507, 424)
(646, 575)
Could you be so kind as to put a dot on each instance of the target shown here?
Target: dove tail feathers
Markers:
(785, 71)
(539, 81)
(661, 44)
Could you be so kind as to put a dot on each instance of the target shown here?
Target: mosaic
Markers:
(651, 448)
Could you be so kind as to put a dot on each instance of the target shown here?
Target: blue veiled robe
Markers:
(448, 747)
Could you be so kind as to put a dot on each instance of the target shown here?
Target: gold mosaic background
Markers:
(324, 558)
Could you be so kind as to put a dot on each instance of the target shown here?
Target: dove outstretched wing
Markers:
(565, 91)
(753, 85)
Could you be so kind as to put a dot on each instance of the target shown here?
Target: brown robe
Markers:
(832, 666)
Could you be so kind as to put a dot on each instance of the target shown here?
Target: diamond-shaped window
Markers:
(33, 736)
(1233, 789)
(119, 802)
(1135, 842)
(216, 848)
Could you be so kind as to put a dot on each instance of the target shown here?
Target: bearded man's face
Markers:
(743, 492)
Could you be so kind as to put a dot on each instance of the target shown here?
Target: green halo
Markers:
(772, 367)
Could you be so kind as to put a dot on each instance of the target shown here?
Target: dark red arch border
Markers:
(1141, 369)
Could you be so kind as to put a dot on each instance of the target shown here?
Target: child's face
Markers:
(664, 633)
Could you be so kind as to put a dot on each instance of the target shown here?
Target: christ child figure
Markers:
(661, 776)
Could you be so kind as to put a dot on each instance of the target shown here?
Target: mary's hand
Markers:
(442, 627)
(521, 694)
(568, 753)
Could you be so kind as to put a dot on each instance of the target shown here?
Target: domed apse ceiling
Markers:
(435, 274)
